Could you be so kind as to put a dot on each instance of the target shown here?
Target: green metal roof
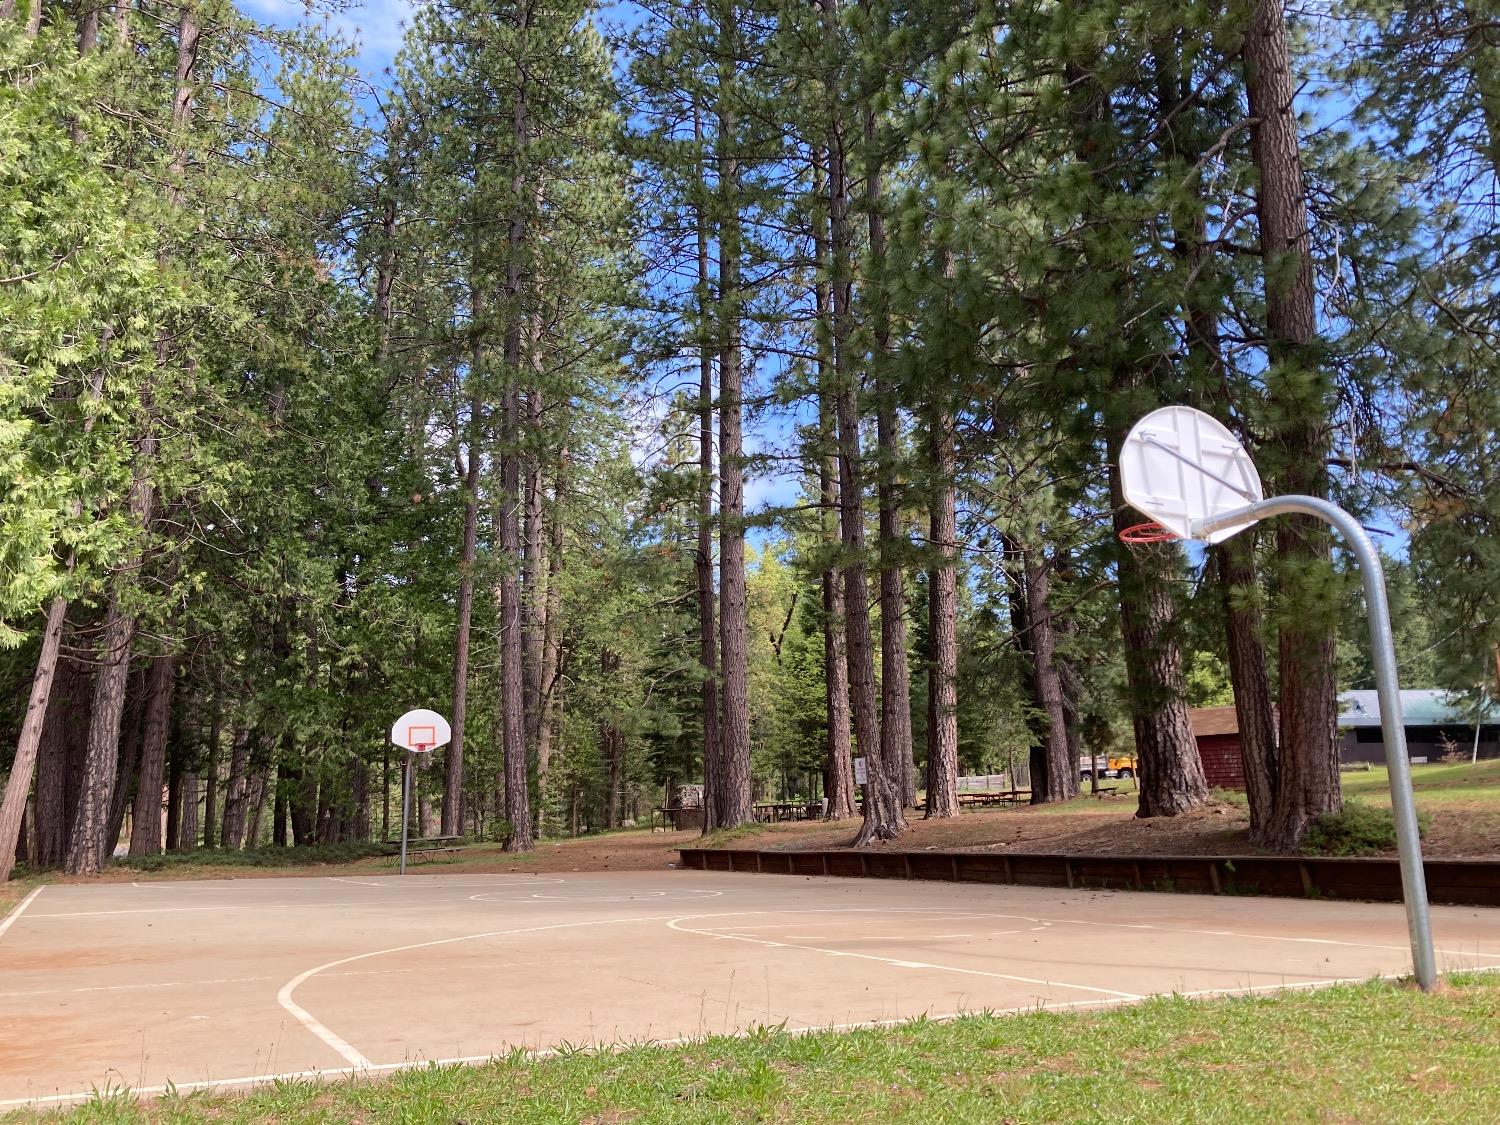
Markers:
(1420, 707)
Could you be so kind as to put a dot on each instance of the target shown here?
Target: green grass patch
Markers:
(1436, 783)
(1372, 1052)
(308, 856)
(726, 836)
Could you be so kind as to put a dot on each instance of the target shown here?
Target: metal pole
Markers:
(1478, 723)
(405, 803)
(1393, 728)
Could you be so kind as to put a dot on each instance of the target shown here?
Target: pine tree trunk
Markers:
(838, 760)
(735, 806)
(187, 826)
(1239, 592)
(883, 818)
(88, 27)
(453, 754)
(838, 764)
(236, 796)
(611, 747)
(534, 555)
(1171, 773)
(359, 828)
(18, 785)
(145, 820)
(895, 678)
(703, 557)
(91, 844)
(131, 739)
(211, 774)
(60, 761)
(1298, 393)
(942, 629)
(1061, 782)
(551, 643)
(255, 803)
(512, 687)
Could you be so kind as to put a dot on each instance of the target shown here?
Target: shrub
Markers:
(1357, 829)
(255, 857)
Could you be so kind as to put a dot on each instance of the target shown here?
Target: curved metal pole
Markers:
(1393, 728)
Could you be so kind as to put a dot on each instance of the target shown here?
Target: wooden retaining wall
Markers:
(1466, 882)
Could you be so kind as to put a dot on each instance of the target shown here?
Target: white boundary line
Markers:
(898, 962)
(798, 1032)
(342, 1046)
(10, 919)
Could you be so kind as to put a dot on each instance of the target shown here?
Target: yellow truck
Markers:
(1111, 766)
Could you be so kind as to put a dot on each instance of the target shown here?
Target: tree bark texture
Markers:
(883, 817)
(236, 796)
(703, 556)
(551, 642)
(734, 733)
(512, 685)
(1298, 398)
(18, 785)
(187, 827)
(1061, 782)
(90, 844)
(942, 631)
(59, 771)
(1239, 592)
(145, 818)
(895, 677)
(1171, 773)
(453, 755)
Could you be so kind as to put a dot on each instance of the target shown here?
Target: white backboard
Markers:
(421, 730)
(1179, 465)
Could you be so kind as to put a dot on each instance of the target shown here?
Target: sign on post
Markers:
(861, 771)
(418, 732)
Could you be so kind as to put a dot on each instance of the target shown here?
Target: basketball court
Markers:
(232, 982)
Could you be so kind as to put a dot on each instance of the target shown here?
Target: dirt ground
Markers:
(1461, 804)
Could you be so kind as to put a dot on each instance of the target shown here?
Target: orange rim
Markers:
(1148, 532)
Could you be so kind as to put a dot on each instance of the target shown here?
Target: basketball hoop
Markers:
(1148, 532)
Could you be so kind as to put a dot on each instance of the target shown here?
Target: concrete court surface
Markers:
(226, 982)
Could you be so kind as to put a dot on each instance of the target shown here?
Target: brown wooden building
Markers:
(1217, 731)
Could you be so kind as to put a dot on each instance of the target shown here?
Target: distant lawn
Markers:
(1433, 783)
(1368, 1053)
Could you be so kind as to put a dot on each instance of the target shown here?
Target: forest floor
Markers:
(1462, 801)
(1363, 1052)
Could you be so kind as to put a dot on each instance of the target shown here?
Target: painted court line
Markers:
(674, 925)
(10, 919)
(347, 1050)
(1264, 937)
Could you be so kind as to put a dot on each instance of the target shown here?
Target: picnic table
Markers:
(986, 799)
(425, 846)
(788, 810)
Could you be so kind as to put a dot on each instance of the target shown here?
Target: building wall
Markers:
(1366, 744)
(1223, 766)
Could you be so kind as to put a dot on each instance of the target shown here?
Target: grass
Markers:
(1369, 1053)
(1434, 784)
